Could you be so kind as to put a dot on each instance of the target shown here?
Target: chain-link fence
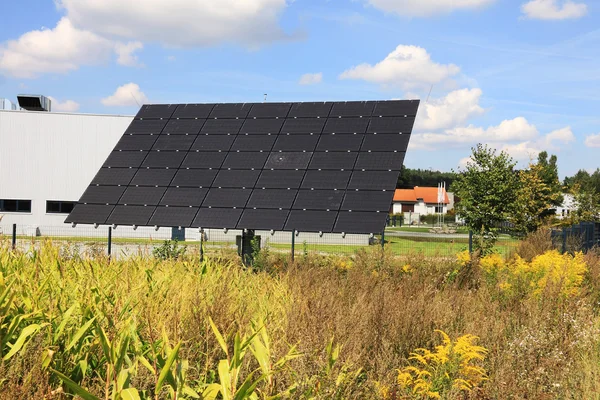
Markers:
(124, 241)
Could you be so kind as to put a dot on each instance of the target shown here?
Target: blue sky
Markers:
(522, 76)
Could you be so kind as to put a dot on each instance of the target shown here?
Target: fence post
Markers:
(564, 240)
(14, 236)
(470, 242)
(293, 243)
(109, 241)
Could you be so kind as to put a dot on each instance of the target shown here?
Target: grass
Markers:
(323, 327)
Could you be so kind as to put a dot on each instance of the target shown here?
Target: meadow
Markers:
(373, 325)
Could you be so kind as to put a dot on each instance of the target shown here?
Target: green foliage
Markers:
(488, 189)
(410, 178)
(548, 173)
(169, 250)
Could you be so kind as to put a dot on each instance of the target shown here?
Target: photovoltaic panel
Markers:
(194, 177)
(217, 218)
(280, 179)
(263, 219)
(173, 216)
(180, 196)
(153, 177)
(114, 176)
(193, 111)
(311, 221)
(254, 166)
(142, 196)
(360, 222)
(272, 198)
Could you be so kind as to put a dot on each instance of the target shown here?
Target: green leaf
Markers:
(130, 394)
(166, 369)
(81, 392)
(104, 342)
(25, 334)
(188, 391)
(211, 392)
(218, 336)
(146, 364)
(80, 333)
(224, 378)
(65, 318)
(123, 379)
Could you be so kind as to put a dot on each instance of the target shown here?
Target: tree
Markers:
(587, 204)
(548, 172)
(488, 189)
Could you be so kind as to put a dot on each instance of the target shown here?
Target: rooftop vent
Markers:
(34, 102)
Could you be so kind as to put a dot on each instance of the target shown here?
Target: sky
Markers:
(520, 76)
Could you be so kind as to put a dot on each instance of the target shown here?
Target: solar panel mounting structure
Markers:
(309, 167)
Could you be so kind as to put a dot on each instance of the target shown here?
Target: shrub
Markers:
(169, 250)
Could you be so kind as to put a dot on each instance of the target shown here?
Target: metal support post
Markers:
(564, 240)
(293, 244)
(383, 238)
(109, 241)
(201, 245)
(14, 237)
(470, 242)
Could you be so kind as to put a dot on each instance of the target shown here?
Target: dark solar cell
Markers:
(272, 198)
(181, 196)
(142, 196)
(89, 214)
(360, 222)
(156, 111)
(193, 110)
(222, 126)
(236, 178)
(296, 142)
(173, 216)
(184, 126)
(373, 180)
(217, 218)
(114, 176)
(136, 142)
(326, 179)
(396, 108)
(206, 159)
(118, 159)
(346, 125)
(269, 110)
(318, 200)
(261, 126)
(391, 125)
(131, 215)
(263, 219)
(146, 126)
(230, 110)
(153, 177)
(245, 160)
(336, 160)
(340, 142)
(385, 142)
(368, 200)
(288, 160)
(352, 109)
(303, 126)
(102, 194)
(164, 159)
(253, 143)
(226, 198)
(317, 109)
(194, 177)
(174, 142)
(311, 221)
(280, 179)
(380, 161)
(213, 142)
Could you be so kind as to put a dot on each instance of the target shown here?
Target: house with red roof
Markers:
(420, 200)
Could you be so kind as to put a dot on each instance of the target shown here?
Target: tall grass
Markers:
(322, 327)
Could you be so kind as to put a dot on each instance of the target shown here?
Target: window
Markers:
(23, 206)
(439, 210)
(59, 207)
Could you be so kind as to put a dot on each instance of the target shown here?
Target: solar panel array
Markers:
(311, 167)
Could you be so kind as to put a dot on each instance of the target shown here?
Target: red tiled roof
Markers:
(428, 194)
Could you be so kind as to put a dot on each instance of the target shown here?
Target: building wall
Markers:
(52, 156)
(420, 208)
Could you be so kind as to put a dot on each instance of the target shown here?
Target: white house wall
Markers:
(52, 156)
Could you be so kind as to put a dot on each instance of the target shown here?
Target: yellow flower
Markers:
(464, 257)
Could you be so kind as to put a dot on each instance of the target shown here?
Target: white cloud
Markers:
(57, 50)
(450, 111)
(181, 22)
(421, 8)
(171, 58)
(553, 9)
(311, 79)
(65, 106)
(407, 66)
(125, 96)
(125, 53)
(592, 140)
